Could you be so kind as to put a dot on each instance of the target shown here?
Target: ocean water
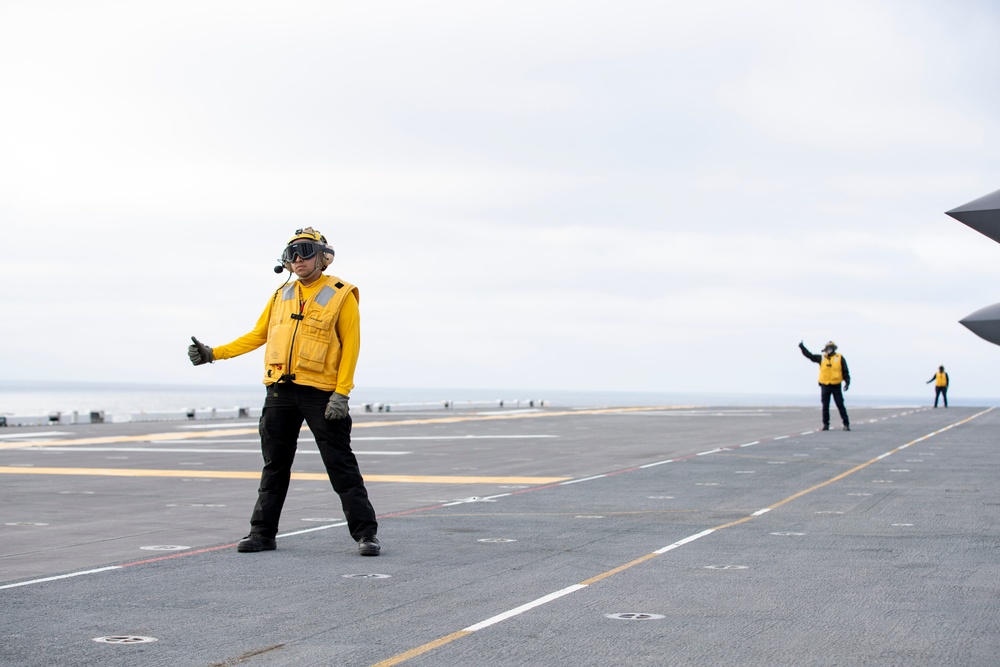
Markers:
(39, 398)
(44, 398)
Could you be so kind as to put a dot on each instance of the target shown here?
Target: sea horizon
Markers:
(45, 397)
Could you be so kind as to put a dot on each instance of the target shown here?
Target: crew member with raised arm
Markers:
(832, 371)
(312, 332)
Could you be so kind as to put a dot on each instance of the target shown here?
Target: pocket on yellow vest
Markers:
(318, 325)
(314, 343)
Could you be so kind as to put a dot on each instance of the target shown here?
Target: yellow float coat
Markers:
(830, 370)
(313, 333)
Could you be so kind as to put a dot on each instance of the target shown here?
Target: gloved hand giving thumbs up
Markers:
(199, 353)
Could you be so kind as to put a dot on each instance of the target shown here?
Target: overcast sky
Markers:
(630, 196)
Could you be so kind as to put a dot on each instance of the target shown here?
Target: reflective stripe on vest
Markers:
(324, 295)
(322, 298)
(830, 371)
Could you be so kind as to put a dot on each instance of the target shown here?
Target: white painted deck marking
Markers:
(686, 540)
(585, 479)
(61, 576)
(523, 608)
(658, 463)
(33, 434)
(453, 437)
(311, 530)
(199, 450)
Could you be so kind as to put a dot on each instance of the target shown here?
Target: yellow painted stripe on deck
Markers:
(420, 650)
(224, 432)
(237, 474)
(148, 437)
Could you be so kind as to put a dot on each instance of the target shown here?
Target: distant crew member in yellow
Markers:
(832, 371)
(940, 381)
(312, 331)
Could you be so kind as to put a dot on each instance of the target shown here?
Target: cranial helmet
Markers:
(313, 242)
(830, 346)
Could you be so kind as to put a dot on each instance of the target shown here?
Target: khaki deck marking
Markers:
(175, 435)
(149, 437)
(447, 639)
(311, 476)
(420, 650)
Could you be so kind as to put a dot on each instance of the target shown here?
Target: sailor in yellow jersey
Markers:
(940, 381)
(312, 332)
(832, 371)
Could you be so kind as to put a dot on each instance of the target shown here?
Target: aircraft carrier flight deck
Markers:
(649, 536)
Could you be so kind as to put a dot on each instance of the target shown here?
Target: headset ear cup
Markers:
(288, 267)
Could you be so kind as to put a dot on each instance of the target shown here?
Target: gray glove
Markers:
(337, 407)
(199, 353)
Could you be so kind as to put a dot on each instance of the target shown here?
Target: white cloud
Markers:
(641, 195)
(859, 77)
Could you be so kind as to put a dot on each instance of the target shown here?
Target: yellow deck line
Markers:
(237, 474)
(224, 432)
(148, 437)
(447, 639)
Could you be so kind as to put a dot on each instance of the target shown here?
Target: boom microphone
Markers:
(279, 268)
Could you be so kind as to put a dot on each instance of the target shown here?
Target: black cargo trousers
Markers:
(286, 406)
(938, 393)
(825, 392)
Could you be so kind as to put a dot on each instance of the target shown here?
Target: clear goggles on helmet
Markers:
(303, 249)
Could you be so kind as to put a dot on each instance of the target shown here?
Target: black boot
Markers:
(256, 542)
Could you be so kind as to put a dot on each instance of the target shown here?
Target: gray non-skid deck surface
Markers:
(894, 563)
